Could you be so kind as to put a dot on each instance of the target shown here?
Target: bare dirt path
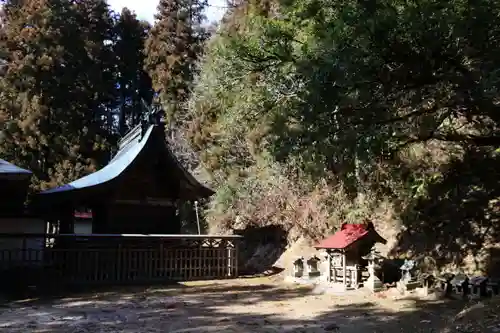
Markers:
(245, 305)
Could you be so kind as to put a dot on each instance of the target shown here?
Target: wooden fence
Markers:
(117, 259)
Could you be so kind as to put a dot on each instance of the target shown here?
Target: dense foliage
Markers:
(72, 82)
(134, 84)
(373, 104)
(173, 47)
(303, 113)
(57, 86)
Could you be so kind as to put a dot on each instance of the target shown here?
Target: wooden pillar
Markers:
(66, 226)
(344, 269)
(329, 273)
(356, 279)
(229, 258)
(236, 254)
(99, 219)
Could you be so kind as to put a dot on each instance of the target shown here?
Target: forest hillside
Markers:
(299, 114)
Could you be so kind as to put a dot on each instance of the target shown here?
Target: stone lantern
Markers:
(298, 267)
(407, 270)
(373, 282)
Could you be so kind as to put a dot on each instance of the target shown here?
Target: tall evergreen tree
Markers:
(8, 10)
(174, 44)
(51, 94)
(134, 83)
(99, 64)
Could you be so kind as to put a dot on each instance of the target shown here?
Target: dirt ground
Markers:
(244, 305)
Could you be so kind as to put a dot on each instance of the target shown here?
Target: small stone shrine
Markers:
(298, 267)
(492, 287)
(478, 286)
(427, 281)
(444, 283)
(460, 285)
(313, 266)
(408, 280)
(373, 283)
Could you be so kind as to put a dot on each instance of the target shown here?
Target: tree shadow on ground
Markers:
(228, 307)
(459, 216)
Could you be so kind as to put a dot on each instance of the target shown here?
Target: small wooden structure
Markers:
(345, 250)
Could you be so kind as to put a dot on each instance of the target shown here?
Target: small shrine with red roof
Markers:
(345, 251)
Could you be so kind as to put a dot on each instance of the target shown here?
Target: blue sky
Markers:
(145, 9)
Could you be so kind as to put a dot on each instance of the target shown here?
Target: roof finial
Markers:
(152, 115)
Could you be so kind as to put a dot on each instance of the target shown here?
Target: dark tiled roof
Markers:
(125, 156)
(129, 149)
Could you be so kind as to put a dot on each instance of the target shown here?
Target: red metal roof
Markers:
(348, 234)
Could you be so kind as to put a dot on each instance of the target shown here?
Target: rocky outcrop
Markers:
(260, 248)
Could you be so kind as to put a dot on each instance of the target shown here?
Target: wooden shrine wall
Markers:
(123, 218)
(12, 197)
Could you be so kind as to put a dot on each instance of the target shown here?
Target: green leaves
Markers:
(134, 84)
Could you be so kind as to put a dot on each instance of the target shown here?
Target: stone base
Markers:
(314, 274)
(423, 292)
(405, 287)
(298, 274)
(330, 288)
(374, 284)
(302, 280)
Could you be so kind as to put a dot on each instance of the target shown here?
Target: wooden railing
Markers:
(97, 259)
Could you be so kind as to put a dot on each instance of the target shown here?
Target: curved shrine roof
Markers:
(9, 168)
(347, 235)
(129, 149)
(115, 168)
